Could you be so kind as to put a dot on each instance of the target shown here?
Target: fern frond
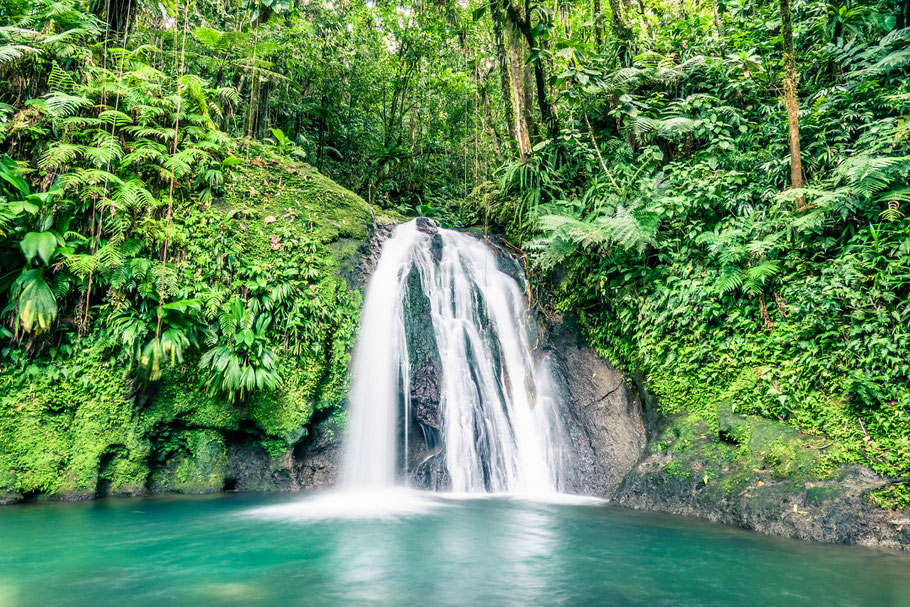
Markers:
(11, 52)
(60, 105)
(60, 155)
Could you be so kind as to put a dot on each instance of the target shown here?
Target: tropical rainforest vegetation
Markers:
(716, 190)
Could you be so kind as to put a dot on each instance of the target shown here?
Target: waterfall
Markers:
(442, 316)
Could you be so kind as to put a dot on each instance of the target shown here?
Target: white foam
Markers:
(394, 502)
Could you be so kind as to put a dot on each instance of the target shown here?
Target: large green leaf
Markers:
(37, 306)
(41, 244)
(8, 174)
(18, 206)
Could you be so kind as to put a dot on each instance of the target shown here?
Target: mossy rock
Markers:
(70, 427)
(285, 412)
(771, 445)
(182, 397)
(58, 432)
(763, 475)
(200, 466)
(296, 194)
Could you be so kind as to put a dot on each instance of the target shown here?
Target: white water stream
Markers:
(500, 429)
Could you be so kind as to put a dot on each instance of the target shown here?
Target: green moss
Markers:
(733, 483)
(895, 496)
(742, 451)
(297, 194)
(198, 464)
(61, 422)
(675, 469)
(815, 496)
(285, 412)
(183, 398)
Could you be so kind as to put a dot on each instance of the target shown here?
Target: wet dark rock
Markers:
(431, 473)
(425, 422)
(251, 468)
(365, 255)
(604, 417)
(427, 226)
(609, 423)
(313, 463)
(318, 460)
(425, 394)
(436, 246)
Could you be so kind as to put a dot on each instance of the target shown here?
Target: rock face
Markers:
(318, 460)
(762, 475)
(829, 511)
(750, 472)
(427, 226)
(604, 416)
(431, 472)
(65, 438)
(425, 394)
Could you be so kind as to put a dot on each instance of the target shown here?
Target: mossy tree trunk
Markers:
(520, 20)
(790, 100)
(520, 112)
(505, 82)
(598, 23)
(719, 24)
(623, 33)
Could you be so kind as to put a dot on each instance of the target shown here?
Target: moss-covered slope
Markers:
(76, 422)
(764, 475)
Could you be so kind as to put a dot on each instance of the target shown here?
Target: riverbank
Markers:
(764, 476)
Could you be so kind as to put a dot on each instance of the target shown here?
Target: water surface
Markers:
(423, 550)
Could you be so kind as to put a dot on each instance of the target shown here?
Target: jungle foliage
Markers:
(716, 189)
(669, 215)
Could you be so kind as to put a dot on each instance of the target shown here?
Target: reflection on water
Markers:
(431, 550)
(529, 549)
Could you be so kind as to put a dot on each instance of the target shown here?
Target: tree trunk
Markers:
(523, 25)
(254, 106)
(505, 82)
(598, 23)
(116, 13)
(903, 14)
(491, 128)
(719, 24)
(320, 131)
(790, 82)
(520, 113)
(623, 33)
(527, 91)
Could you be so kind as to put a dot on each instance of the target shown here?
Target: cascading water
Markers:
(498, 429)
